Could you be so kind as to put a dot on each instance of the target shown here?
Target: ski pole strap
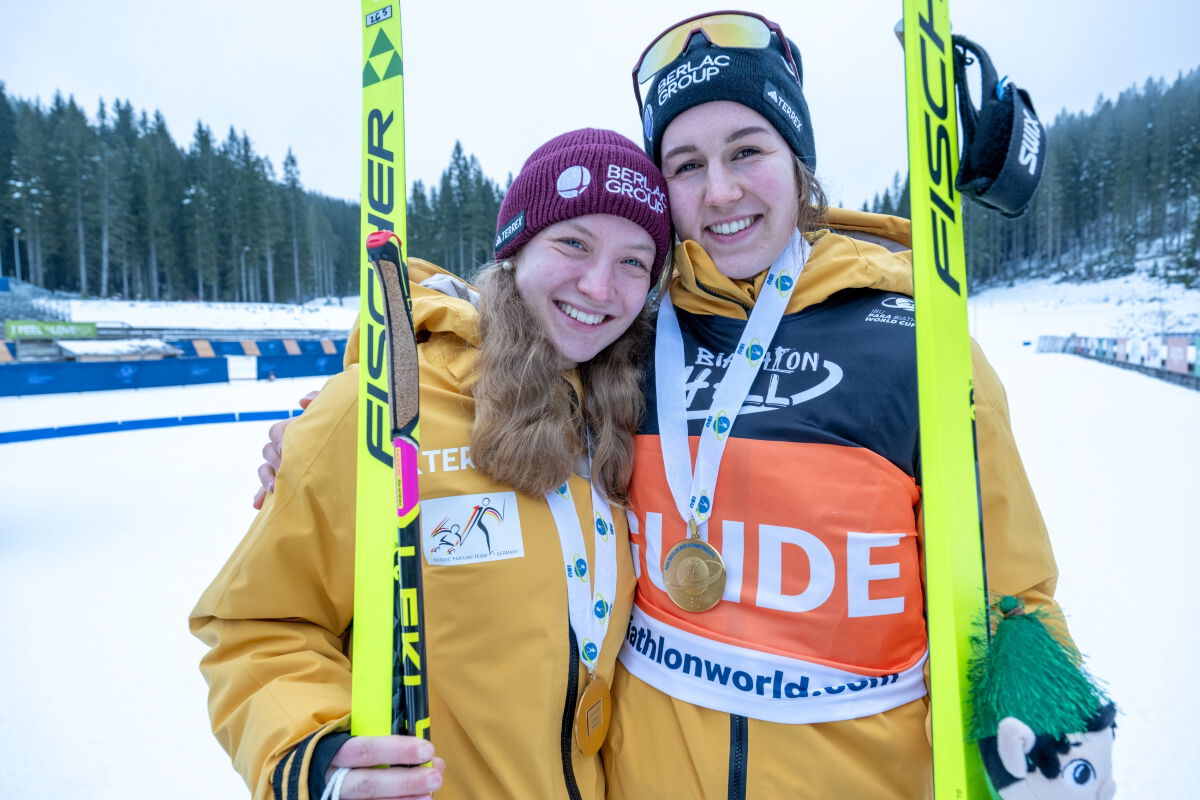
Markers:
(1003, 142)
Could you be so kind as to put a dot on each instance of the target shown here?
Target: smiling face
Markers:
(731, 179)
(585, 280)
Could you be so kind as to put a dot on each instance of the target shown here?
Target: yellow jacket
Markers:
(501, 665)
(662, 746)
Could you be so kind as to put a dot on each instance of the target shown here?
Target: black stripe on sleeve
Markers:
(293, 789)
(277, 775)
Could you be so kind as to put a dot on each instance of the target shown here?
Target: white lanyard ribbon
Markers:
(590, 611)
(693, 492)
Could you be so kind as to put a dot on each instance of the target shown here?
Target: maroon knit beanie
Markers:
(587, 171)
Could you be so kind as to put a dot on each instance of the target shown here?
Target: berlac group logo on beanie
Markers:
(572, 181)
(628, 182)
(758, 78)
(688, 74)
(585, 172)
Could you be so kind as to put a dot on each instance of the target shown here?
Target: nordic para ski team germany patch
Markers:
(466, 529)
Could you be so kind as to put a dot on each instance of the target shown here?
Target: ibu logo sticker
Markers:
(648, 122)
(755, 351)
(580, 568)
(468, 529)
(601, 608)
(703, 506)
(902, 303)
(894, 310)
(721, 425)
(590, 651)
(785, 283)
(573, 181)
(602, 528)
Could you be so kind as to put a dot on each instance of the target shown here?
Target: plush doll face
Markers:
(1086, 769)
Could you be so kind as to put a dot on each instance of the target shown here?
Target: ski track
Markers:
(106, 542)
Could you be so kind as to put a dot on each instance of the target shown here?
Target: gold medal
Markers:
(592, 716)
(694, 573)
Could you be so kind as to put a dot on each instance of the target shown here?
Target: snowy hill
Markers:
(1133, 305)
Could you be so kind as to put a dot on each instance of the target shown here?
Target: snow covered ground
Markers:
(107, 540)
(1128, 306)
(325, 314)
(1134, 305)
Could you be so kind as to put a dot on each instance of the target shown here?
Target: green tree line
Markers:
(1120, 184)
(112, 206)
(454, 223)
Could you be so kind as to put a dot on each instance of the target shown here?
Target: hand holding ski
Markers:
(360, 768)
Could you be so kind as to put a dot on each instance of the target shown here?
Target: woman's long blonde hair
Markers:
(529, 422)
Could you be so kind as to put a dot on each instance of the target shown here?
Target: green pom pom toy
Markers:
(1026, 672)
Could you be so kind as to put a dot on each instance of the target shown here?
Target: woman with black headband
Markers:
(777, 644)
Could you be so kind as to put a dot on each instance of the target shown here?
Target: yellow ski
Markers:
(955, 580)
(387, 684)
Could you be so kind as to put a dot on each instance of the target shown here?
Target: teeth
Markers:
(732, 227)
(582, 316)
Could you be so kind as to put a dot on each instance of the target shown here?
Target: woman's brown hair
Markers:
(529, 421)
(813, 205)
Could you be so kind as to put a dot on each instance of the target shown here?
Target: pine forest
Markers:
(1121, 184)
(112, 206)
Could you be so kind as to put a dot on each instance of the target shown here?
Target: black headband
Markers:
(760, 79)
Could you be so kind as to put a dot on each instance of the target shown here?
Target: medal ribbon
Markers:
(590, 611)
(693, 491)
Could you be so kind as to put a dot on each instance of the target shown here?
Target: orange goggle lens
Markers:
(723, 30)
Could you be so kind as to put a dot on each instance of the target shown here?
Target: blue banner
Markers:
(49, 377)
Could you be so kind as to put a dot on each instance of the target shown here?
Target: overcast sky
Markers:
(503, 77)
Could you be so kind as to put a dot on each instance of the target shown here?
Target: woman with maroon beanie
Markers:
(530, 397)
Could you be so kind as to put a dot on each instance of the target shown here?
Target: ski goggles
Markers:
(722, 29)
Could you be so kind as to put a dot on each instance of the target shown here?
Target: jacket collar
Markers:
(858, 250)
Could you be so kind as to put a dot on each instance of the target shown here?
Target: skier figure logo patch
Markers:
(468, 529)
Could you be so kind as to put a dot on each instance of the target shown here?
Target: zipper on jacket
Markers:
(568, 722)
(738, 746)
(723, 296)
